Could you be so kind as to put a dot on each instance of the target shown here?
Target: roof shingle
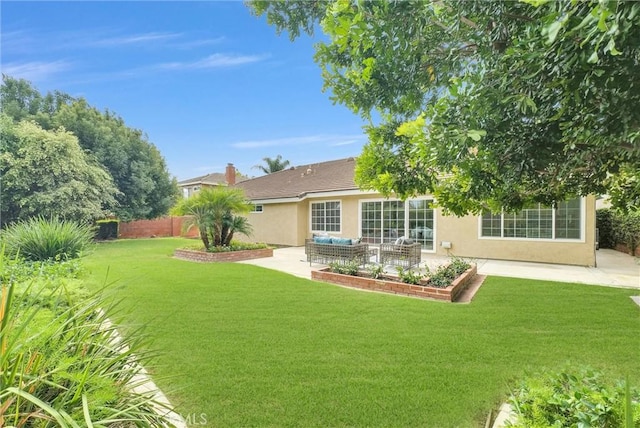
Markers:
(297, 182)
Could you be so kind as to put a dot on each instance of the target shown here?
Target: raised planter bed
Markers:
(227, 256)
(425, 291)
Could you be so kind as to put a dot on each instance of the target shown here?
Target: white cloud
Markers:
(212, 61)
(134, 39)
(35, 70)
(327, 140)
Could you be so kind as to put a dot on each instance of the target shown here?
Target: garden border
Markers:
(448, 294)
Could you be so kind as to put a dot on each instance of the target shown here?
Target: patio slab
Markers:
(614, 269)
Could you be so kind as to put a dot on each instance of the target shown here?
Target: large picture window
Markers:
(536, 222)
(325, 216)
(386, 221)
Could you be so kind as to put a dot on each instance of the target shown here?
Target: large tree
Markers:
(145, 188)
(485, 104)
(47, 173)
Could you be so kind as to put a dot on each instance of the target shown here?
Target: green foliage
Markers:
(63, 364)
(272, 165)
(618, 228)
(237, 246)
(484, 104)
(565, 399)
(217, 213)
(345, 268)
(144, 187)
(606, 224)
(40, 239)
(107, 229)
(409, 276)
(444, 275)
(375, 270)
(47, 173)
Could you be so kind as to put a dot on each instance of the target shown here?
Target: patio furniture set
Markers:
(326, 250)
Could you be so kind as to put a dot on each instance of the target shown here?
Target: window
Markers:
(386, 221)
(255, 208)
(325, 216)
(535, 222)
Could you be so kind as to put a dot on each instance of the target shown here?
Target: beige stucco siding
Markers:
(463, 233)
(276, 224)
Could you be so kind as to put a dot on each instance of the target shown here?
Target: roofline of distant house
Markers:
(313, 195)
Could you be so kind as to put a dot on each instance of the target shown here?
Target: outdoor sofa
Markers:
(327, 249)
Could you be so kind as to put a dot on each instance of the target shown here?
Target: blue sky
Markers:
(208, 82)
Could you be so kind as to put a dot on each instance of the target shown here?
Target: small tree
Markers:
(217, 213)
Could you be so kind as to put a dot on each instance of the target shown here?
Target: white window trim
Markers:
(582, 239)
(406, 216)
(253, 209)
(311, 216)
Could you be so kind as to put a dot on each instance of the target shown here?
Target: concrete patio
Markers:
(614, 269)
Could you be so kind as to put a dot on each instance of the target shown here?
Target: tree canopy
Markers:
(484, 104)
(272, 165)
(144, 187)
(46, 173)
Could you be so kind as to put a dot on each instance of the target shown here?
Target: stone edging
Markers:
(449, 294)
(227, 256)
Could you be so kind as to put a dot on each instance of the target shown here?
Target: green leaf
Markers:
(476, 134)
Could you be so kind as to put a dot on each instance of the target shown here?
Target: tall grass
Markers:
(39, 239)
(63, 364)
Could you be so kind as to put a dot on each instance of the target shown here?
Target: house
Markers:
(293, 204)
(192, 185)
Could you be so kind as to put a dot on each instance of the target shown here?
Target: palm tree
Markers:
(272, 165)
(216, 212)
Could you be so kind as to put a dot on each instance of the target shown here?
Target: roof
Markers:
(300, 181)
(212, 179)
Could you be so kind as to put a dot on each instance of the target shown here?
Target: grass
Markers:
(246, 346)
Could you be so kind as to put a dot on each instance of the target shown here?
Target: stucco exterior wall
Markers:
(290, 224)
(463, 234)
(276, 224)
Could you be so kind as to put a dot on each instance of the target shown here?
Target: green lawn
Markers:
(247, 346)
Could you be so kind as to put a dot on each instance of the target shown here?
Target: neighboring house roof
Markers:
(301, 181)
(213, 179)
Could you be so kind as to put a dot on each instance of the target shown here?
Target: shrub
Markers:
(443, 276)
(605, 223)
(459, 265)
(39, 239)
(564, 399)
(409, 276)
(349, 268)
(107, 229)
(63, 364)
(375, 271)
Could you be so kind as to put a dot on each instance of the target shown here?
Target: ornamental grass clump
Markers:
(63, 364)
(40, 239)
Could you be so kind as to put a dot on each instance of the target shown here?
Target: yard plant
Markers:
(217, 213)
(247, 346)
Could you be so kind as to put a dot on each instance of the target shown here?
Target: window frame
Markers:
(553, 238)
(324, 203)
(255, 210)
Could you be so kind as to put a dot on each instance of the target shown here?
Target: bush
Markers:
(107, 229)
(409, 276)
(618, 228)
(605, 223)
(585, 399)
(63, 364)
(349, 268)
(39, 239)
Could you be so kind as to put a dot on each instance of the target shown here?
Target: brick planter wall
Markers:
(624, 249)
(449, 294)
(228, 256)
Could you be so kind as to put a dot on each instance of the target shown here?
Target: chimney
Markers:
(230, 174)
